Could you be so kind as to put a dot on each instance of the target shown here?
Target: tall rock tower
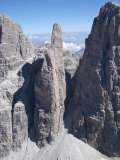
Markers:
(56, 39)
(50, 91)
(96, 99)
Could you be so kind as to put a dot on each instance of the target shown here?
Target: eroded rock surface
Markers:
(14, 50)
(50, 91)
(96, 100)
(14, 47)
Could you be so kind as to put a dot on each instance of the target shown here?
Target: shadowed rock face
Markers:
(50, 92)
(96, 99)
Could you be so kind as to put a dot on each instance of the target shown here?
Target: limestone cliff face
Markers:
(96, 99)
(14, 49)
(50, 91)
(14, 46)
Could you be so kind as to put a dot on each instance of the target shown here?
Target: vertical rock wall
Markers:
(14, 50)
(96, 117)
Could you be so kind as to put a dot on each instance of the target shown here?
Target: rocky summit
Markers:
(49, 101)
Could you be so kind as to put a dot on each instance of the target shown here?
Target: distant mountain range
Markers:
(73, 41)
(76, 37)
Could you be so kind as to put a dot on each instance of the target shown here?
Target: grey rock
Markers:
(71, 62)
(56, 39)
(19, 125)
(33, 100)
(50, 92)
(96, 99)
(15, 49)
(5, 132)
(14, 46)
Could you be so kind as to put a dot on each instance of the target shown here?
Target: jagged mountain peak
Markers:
(5, 19)
(56, 39)
(110, 8)
(56, 26)
(111, 4)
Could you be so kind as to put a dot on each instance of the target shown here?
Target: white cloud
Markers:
(72, 46)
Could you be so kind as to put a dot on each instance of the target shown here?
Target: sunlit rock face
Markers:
(14, 50)
(56, 39)
(96, 99)
(50, 90)
(14, 46)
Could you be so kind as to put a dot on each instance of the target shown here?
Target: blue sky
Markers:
(38, 16)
